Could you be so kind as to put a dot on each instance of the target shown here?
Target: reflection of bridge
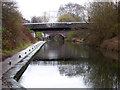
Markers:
(62, 28)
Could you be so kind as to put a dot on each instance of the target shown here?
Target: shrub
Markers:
(13, 32)
(27, 35)
(94, 40)
(29, 30)
(70, 35)
(39, 34)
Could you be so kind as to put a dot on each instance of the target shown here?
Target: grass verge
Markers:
(9, 53)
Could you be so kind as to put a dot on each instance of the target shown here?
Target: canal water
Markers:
(71, 65)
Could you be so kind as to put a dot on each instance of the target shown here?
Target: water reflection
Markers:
(60, 50)
(87, 68)
(110, 54)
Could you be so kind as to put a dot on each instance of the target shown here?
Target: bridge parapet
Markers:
(56, 25)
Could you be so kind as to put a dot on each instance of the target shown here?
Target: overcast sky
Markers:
(30, 8)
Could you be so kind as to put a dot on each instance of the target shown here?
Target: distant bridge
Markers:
(55, 25)
(62, 28)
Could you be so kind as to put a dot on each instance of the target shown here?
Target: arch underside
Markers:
(62, 33)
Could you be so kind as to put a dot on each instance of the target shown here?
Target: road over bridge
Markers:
(62, 28)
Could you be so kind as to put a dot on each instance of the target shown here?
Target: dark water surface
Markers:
(70, 65)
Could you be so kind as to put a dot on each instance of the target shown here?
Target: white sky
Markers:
(30, 8)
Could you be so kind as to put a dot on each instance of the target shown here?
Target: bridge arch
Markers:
(62, 28)
(58, 36)
(55, 34)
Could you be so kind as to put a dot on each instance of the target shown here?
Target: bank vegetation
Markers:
(14, 35)
(103, 28)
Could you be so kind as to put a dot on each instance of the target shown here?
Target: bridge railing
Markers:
(56, 25)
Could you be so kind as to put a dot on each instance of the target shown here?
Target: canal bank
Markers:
(13, 67)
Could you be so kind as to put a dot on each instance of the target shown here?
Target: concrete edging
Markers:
(11, 77)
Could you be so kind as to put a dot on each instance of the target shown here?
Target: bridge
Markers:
(62, 28)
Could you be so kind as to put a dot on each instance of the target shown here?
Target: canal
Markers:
(71, 65)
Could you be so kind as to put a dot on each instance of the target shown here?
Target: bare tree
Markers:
(72, 9)
(43, 18)
(105, 15)
(35, 19)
